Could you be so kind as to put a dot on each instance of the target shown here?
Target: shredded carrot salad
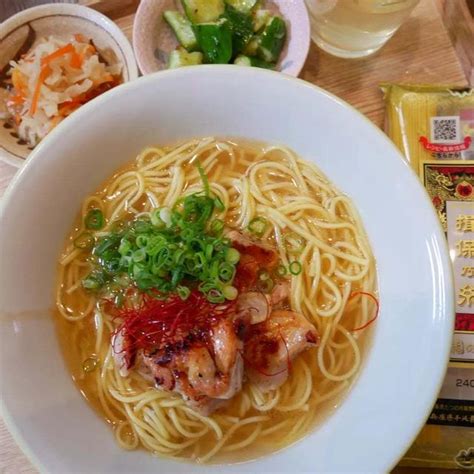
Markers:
(52, 80)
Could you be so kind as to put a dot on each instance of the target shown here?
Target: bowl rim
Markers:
(80, 11)
(293, 70)
(447, 302)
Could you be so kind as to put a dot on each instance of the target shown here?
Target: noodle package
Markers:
(434, 129)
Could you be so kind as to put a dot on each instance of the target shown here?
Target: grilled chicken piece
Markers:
(253, 305)
(206, 366)
(280, 293)
(254, 257)
(270, 346)
(206, 371)
(258, 306)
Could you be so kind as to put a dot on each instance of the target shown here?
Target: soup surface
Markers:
(112, 316)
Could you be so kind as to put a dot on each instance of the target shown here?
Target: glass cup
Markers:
(356, 28)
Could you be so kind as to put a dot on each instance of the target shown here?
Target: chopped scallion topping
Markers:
(94, 219)
(230, 292)
(295, 267)
(183, 292)
(169, 250)
(215, 296)
(232, 256)
(84, 241)
(217, 226)
(205, 181)
(258, 226)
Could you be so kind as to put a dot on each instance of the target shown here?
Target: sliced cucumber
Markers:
(180, 58)
(203, 11)
(242, 60)
(243, 6)
(272, 40)
(215, 40)
(182, 29)
(242, 28)
(252, 46)
(260, 18)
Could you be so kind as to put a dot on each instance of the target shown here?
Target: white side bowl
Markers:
(405, 366)
(61, 20)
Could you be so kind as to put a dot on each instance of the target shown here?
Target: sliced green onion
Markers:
(139, 255)
(295, 267)
(226, 272)
(155, 244)
(230, 292)
(183, 292)
(214, 270)
(112, 265)
(179, 256)
(203, 175)
(232, 256)
(105, 244)
(217, 226)
(281, 270)
(200, 260)
(141, 226)
(294, 243)
(126, 260)
(124, 247)
(164, 248)
(94, 219)
(84, 241)
(175, 276)
(138, 269)
(258, 226)
(145, 281)
(142, 241)
(204, 287)
(218, 204)
(91, 283)
(226, 241)
(156, 219)
(215, 296)
(208, 251)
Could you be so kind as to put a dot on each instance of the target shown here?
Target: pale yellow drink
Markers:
(356, 28)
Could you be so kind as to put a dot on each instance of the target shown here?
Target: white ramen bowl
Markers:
(404, 368)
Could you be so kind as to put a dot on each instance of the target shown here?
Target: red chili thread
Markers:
(377, 307)
(155, 323)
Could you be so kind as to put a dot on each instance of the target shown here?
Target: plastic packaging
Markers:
(434, 128)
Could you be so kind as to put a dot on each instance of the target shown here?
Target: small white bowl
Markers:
(405, 365)
(62, 20)
(153, 39)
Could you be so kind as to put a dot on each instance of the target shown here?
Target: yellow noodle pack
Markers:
(433, 126)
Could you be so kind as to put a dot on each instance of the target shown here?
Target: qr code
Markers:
(445, 129)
